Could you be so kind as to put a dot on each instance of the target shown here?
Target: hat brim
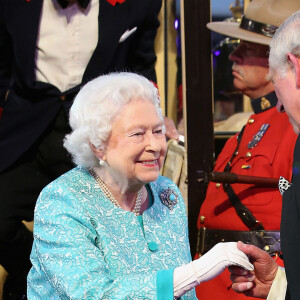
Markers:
(232, 29)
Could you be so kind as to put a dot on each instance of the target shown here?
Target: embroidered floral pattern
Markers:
(87, 248)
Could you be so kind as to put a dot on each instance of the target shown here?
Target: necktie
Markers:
(82, 3)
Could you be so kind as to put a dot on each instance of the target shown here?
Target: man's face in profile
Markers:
(288, 96)
(250, 68)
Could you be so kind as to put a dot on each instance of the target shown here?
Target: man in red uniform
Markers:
(264, 148)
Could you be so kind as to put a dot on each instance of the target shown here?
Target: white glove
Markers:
(208, 266)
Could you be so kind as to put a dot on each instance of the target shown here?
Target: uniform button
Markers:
(248, 154)
(202, 218)
(153, 246)
(63, 97)
(218, 185)
(250, 121)
(236, 153)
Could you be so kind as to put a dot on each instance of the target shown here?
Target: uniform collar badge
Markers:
(169, 198)
(264, 103)
(257, 137)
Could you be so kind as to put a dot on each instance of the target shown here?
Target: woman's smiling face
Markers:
(136, 148)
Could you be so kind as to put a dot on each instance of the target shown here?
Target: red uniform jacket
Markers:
(271, 157)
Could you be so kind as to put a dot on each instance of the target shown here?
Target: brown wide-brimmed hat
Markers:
(261, 19)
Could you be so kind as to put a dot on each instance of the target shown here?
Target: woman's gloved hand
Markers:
(208, 267)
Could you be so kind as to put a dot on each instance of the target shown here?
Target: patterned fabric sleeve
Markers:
(65, 252)
(87, 248)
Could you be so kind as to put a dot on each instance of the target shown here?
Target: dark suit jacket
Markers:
(30, 105)
(290, 229)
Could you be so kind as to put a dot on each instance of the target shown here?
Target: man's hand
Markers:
(171, 131)
(257, 283)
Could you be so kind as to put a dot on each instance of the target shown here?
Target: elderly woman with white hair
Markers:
(112, 228)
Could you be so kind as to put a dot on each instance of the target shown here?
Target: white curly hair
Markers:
(285, 40)
(95, 107)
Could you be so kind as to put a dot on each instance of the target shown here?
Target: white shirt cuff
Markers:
(279, 286)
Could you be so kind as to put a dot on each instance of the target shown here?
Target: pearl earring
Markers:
(101, 162)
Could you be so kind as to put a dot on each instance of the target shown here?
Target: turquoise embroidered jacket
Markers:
(85, 247)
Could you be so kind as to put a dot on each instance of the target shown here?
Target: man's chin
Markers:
(296, 128)
(295, 125)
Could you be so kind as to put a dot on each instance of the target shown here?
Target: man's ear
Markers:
(296, 65)
(99, 153)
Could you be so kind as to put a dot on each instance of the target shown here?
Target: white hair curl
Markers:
(96, 105)
(285, 40)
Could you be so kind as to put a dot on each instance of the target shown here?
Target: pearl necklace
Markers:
(138, 200)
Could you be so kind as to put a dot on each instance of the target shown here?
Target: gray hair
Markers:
(286, 40)
(95, 107)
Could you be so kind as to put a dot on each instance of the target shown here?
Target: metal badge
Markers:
(169, 198)
(257, 137)
(264, 103)
(246, 167)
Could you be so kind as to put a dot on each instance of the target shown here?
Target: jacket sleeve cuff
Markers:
(164, 286)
